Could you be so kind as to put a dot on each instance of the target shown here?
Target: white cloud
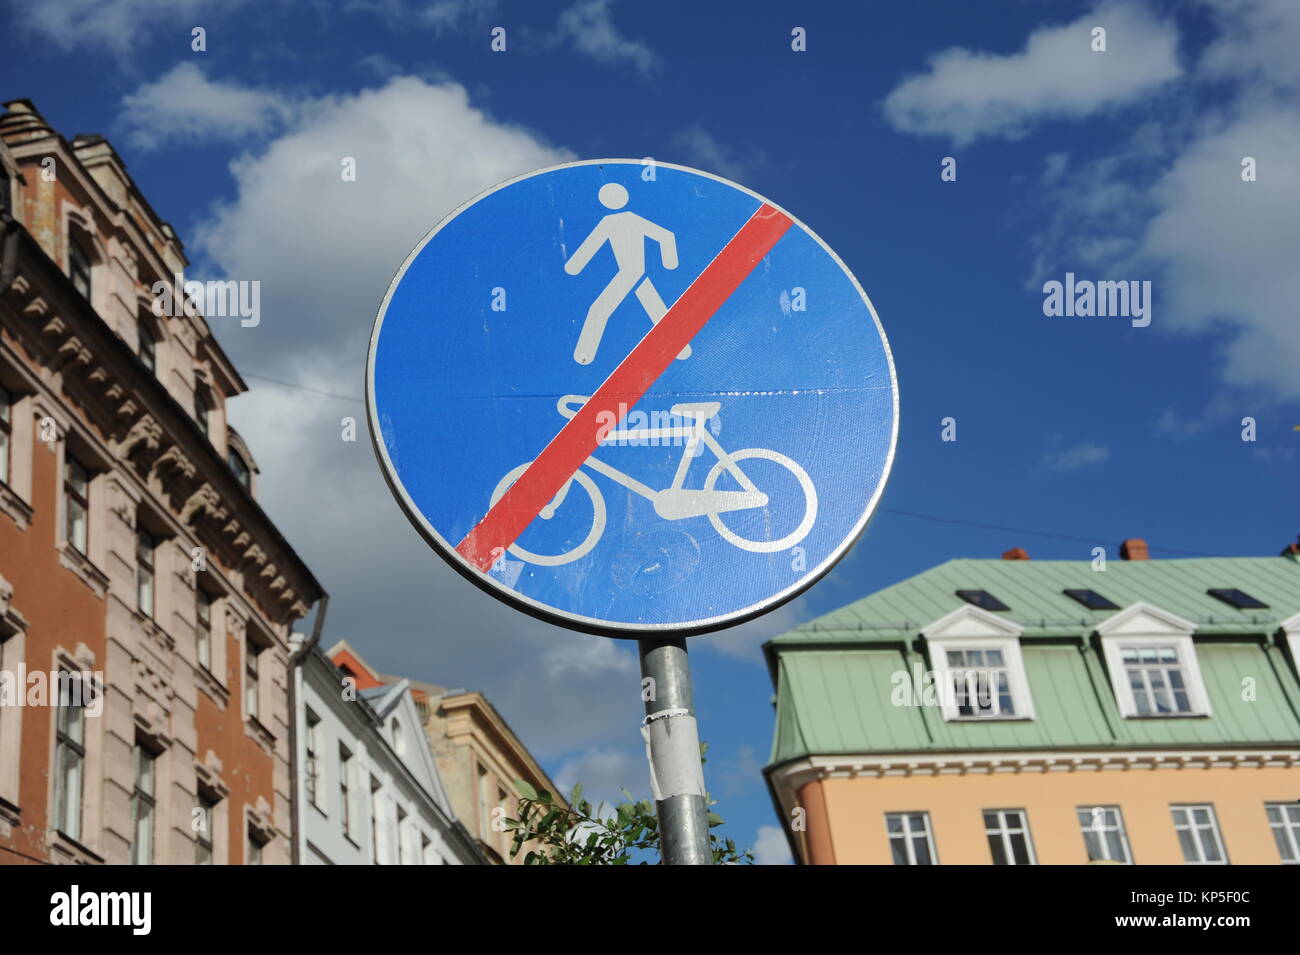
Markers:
(1169, 204)
(440, 16)
(589, 26)
(604, 773)
(1076, 457)
(967, 95)
(700, 148)
(771, 847)
(113, 24)
(183, 106)
(1228, 249)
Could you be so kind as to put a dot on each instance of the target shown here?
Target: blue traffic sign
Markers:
(632, 398)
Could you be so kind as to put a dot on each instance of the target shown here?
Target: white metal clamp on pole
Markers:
(673, 749)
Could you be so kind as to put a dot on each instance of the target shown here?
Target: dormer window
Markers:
(1152, 662)
(240, 469)
(979, 672)
(79, 268)
(147, 349)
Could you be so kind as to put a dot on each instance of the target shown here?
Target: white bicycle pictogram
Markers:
(677, 501)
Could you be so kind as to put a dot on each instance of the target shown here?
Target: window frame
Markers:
(76, 501)
(907, 836)
(81, 267)
(971, 628)
(1086, 829)
(240, 468)
(253, 855)
(207, 807)
(345, 789)
(311, 757)
(146, 575)
(6, 433)
(1005, 833)
(202, 413)
(143, 796)
(147, 346)
(204, 603)
(1285, 827)
(1143, 626)
(1192, 826)
(252, 678)
(69, 745)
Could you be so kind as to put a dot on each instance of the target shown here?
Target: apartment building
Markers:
(479, 757)
(139, 577)
(1020, 712)
(369, 791)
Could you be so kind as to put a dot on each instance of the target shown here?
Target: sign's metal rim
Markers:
(447, 549)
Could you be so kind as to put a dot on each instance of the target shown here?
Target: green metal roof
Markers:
(835, 675)
(1033, 591)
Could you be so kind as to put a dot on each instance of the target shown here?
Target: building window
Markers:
(203, 628)
(255, 845)
(910, 839)
(1151, 661)
(251, 653)
(402, 856)
(142, 806)
(6, 192)
(312, 762)
(148, 348)
(484, 808)
(980, 682)
(345, 799)
(6, 433)
(201, 412)
(1156, 679)
(1198, 832)
(204, 821)
(1008, 835)
(1284, 820)
(374, 820)
(76, 487)
(1103, 834)
(982, 599)
(70, 754)
(145, 546)
(79, 268)
(240, 468)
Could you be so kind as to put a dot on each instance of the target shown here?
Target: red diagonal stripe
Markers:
(624, 387)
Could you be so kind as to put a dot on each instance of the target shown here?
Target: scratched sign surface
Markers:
(632, 399)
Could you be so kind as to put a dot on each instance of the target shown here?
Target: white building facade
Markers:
(368, 790)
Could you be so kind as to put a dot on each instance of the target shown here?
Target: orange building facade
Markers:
(140, 582)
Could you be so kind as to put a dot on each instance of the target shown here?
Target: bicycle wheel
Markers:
(805, 482)
(597, 517)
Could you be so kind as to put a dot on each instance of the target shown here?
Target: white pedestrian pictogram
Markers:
(626, 233)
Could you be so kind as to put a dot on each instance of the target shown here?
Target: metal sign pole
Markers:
(673, 746)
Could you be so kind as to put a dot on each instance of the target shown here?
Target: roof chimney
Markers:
(1016, 553)
(1135, 548)
(1292, 550)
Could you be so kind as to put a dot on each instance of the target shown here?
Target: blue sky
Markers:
(1115, 165)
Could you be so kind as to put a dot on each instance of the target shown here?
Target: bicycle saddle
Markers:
(702, 410)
